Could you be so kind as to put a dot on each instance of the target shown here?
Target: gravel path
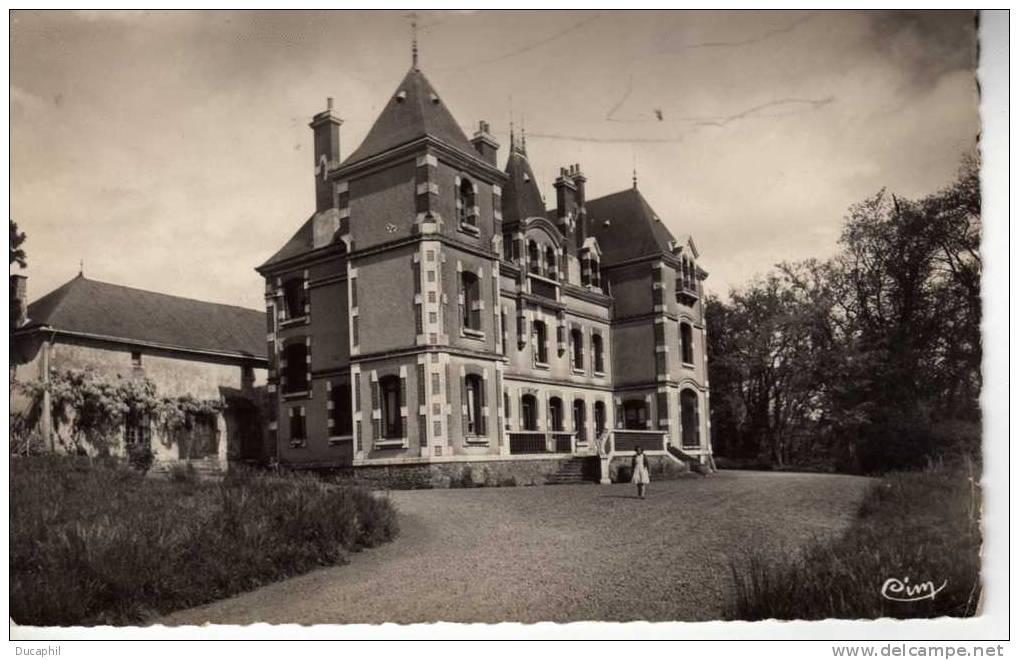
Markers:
(557, 553)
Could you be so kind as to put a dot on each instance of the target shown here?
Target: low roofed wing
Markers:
(118, 312)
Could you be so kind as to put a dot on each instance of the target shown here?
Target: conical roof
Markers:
(413, 111)
(520, 195)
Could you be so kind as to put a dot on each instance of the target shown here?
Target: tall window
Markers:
(506, 408)
(541, 342)
(296, 371)
(342, 413)
(473, 388)
(471, 290)
(295, 297)
(635, 414)
(465, 203)
(529, 412)
(390, 395)
(577, 339)
(137, 430)
(555, 413)
(599, 417)
(533, 260)
(686, 340)
(550, 267)
(599, 353)
(690, 418)
(298, 430)
(579, 420)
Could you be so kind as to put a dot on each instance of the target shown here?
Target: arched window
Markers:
(533, 259)
(465, 203)
(550, 263)
(599, 417)
(540, 342)
(555, 414)
(529, 412)
(690, 418)
(470, 304)
(390, 397)
(635, 414)
(577, 339)
(473, 388)
(686, 341)
(295, 373)
(580, 420)
(599, 353)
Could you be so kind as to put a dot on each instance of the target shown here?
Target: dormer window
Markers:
(550, 263)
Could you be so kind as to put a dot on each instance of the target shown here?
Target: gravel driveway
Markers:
(557, 553)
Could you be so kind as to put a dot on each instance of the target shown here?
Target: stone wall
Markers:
(460, 474)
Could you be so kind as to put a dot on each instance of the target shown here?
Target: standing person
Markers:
(641, 475)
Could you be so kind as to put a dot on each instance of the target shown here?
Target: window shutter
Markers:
(375, 407)
(464, 405)
(403, 405)
(483, 421)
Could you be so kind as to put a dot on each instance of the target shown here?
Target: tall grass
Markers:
(922, 525)
(101, 545)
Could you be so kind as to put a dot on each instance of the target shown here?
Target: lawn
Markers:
(100, 544)
(560, 553)
(914, 528)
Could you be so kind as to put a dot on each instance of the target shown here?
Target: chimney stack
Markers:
(19, 295)
(326, 127)
(485, 144)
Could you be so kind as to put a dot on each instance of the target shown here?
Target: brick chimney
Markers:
(19, 297)
(326, 127)
(569, 186)
(485, 144)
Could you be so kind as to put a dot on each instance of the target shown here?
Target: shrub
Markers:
(924, 525)
(182, 472)
(96, 543)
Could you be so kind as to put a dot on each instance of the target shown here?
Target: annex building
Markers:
(433, 311)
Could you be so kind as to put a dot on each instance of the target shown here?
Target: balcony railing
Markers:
(528, 442)
(686, 294)
(630, 439)
(540, 442)
(563, 442)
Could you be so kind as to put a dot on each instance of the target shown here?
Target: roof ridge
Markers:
(155, 293)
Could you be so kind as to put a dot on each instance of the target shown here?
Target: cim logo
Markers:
(904, 592)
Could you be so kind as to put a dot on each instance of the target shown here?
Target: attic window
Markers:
(401, 96)
(527, 177)
(434, 98)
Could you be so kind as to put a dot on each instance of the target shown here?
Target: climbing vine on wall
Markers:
(94, 407)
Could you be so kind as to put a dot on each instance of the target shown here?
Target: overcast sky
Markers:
(170, 151)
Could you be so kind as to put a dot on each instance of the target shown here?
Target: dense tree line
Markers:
(864, 362)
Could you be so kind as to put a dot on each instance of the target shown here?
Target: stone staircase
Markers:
(576, 470)
(692, 461)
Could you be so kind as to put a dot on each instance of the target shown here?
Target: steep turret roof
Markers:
(413, 111)
(634, 229)
(521, 198)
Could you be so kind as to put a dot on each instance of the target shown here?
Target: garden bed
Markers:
(97, 543)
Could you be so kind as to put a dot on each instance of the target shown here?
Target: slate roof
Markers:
(413, 111)
(634, 230)
(299, 243)
(110, 310)
(521, 198)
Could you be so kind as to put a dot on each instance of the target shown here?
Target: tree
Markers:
(863, 360)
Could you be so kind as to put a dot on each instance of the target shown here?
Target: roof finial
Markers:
(523, 136)
(635, 178)
(81, 268)
(414, 39)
